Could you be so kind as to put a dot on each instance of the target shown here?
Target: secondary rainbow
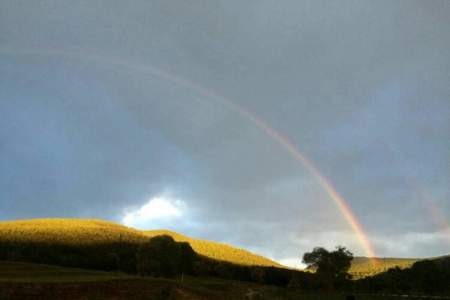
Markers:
(276, 135)
(437, 216)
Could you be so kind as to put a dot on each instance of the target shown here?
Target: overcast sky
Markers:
(116, 110)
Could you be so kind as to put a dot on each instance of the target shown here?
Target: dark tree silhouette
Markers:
(331, 267)
(162, 256)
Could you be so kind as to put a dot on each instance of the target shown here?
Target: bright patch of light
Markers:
(155, 211)
(292, 263)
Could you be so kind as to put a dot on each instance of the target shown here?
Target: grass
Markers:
(68, 231)
(26, 281)
(219, 251)
(90, 232)
(36, 279)
(37, 273)
(363, 266)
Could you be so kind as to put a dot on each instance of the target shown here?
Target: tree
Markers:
(186, 258)
(330, 266)
(162, 256)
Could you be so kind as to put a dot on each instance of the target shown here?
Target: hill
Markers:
(218, 251)
(36, 281)
(426, 276)
(86, 233)
(67, 231)
(106, 246)
(363, 266)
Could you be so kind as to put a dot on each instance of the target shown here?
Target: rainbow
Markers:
(437, 216)
(274, 134)
(340, 202)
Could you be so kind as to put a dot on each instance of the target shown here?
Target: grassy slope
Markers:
(218, 251)
(67, 231)
(85, 232)
(363, 266)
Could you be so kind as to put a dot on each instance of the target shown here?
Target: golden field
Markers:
(218, 251)
(90, 232)
(363, 266)
(87, 232)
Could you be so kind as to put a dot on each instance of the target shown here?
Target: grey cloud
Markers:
(360, 87)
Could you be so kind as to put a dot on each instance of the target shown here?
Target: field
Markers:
(28, 272)
(218, 251)
(23, 281)
(90, 232)
(34, 281)
(363, 266)
(81, 232)
(86, 245)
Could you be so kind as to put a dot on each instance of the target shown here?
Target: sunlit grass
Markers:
(87, 232)
(81, 232)
(363, 266)
(218, 251)
(67, 231)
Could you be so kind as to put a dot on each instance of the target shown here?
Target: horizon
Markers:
(274, 128)
(375, 261)
(294, 263)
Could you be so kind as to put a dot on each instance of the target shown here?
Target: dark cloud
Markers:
(105, 105)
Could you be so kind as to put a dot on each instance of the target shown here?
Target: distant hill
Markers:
(106, 246)
(426, 276)
(85, 232)
(364, 266)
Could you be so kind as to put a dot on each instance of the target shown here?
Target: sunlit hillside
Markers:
(218, 251)
(88, 232)
(363, 266)
(81, 232)
(67, 231)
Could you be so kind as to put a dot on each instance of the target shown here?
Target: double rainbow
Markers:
(274, 134)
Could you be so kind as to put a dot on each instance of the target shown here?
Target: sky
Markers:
(232, 120)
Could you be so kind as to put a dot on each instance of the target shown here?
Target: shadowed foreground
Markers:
(23, 281)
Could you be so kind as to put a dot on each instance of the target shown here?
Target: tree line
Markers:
(162, 256)
(159, 256)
